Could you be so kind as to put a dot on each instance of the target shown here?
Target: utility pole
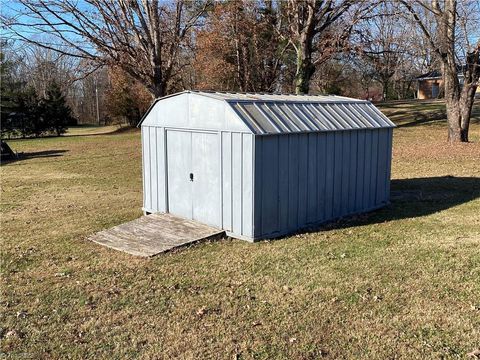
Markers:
(96, 97)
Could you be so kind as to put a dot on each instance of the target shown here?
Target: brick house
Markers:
(430, 85)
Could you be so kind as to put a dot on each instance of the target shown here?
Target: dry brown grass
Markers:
(402, 282)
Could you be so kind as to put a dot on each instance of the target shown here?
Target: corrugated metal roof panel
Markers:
(267, 110)
(301, 113)
(289, 117)
(330, 124)
(265, 123)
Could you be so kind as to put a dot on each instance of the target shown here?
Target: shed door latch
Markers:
(191, 176)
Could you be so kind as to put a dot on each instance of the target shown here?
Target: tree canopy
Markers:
(367, 49)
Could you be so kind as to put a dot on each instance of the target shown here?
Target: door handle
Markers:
(191, 176)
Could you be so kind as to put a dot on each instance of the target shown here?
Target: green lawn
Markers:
(402, 282)
(91, 130)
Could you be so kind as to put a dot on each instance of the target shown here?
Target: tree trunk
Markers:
(459, 102)
(458, 118)
(157, 90)
(158, 87)
(385, 83)
(466, 104)
(453, 120)
(452, 96)
(305, 69)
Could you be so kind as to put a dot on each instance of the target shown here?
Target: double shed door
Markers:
(193, 176)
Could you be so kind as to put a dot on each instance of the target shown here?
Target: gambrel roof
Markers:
(266, 114)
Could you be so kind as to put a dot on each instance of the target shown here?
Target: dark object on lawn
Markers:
(7, 152)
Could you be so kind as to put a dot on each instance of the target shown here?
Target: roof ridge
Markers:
(278, 97)
(257, 93)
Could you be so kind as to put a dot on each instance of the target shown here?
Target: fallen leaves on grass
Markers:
(202, 311)
(21, 314)
(474, 354)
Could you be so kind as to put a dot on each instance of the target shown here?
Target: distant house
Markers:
(430, 85)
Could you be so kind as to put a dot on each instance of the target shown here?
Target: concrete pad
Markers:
(153, 234)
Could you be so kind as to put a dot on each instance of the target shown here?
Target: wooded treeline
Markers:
(111, 58)
(23, 112)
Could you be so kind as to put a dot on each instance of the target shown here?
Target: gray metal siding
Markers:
(153, 159)
(337, 174)
(291, 142)
(237, 183)
(329, 176)
(283, 181)
(227, 220)
(389, 162)
(235, 187)
(247, 185)
(321, 173)
(307, 179)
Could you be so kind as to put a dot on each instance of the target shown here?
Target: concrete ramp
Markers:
(153, 234)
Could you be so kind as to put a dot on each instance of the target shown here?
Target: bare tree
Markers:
(87, 97)
(451, 42)
(142, 37)
(310, 31)
(238, 49)
(383, 45)
(40, 67)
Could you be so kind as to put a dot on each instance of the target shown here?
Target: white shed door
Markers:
(194, 176)
(206, 178)
(179, 163)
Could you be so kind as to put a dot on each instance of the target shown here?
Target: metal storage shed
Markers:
(260, 166)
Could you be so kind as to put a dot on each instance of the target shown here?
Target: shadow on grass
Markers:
(120, 130)
(421, 119)
(411, 198)
(33, 155)
(424, 196)
(433, 119)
